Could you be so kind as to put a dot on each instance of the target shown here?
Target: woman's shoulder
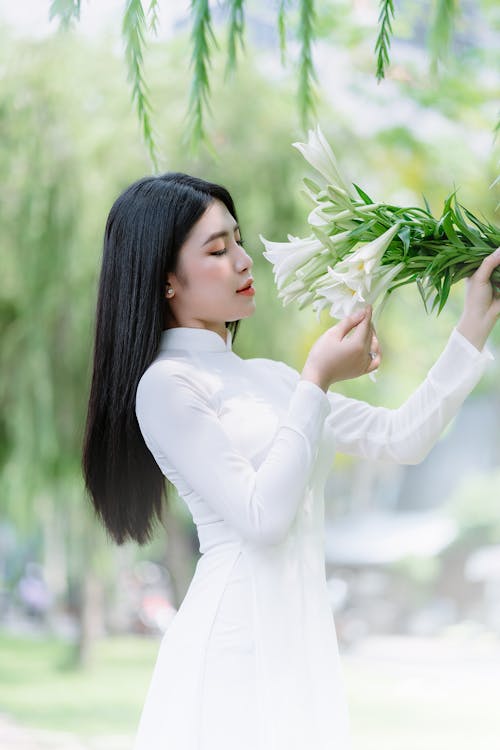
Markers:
(166, 372)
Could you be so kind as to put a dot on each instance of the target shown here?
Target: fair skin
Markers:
(208, 299)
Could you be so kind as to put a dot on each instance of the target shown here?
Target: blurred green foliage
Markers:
(474, 506)
(69, 143)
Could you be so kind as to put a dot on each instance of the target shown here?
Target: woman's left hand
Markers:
(482, 303)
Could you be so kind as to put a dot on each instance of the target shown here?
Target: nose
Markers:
(244, 259)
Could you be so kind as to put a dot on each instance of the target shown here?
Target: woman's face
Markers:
(211, 269)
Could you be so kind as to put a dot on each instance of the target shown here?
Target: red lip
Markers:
(246, 286)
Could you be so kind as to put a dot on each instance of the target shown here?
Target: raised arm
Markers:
(184, 434)
(406, 435)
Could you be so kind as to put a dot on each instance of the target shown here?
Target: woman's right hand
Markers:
(337, 356)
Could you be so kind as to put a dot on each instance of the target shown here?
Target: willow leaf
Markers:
(383, 42)
(282, 30)
(153, 16)
(66, 11)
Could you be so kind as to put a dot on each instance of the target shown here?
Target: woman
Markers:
(250, 660)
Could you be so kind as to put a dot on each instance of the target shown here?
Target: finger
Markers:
(488, 265)
(365, 328)
(348, 323)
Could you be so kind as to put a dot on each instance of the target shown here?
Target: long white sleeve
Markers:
(406, 435)
(184, 434)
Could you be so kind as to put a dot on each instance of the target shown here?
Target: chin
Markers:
(240, 315)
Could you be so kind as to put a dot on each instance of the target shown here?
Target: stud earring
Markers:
(169, 291)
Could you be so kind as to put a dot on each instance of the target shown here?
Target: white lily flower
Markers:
(358, 268)
(319, 154)
(286, 257)
(318, 218)
(344, 298)
(368, 255)
(318, 305)
(350, 292)
(383, 280)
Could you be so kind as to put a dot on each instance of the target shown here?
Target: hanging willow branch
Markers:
(307, 72)
(66, 11)
(200, 61)
(282, 31)
(137, 22)
(133, 32)
(383, 42)
(153, 16)
(441, 31)
(236, 31)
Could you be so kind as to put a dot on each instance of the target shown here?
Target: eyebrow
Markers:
(215, 235)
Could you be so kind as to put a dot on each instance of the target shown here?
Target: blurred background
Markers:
(412, 552)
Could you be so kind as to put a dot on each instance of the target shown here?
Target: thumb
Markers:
(488, 265)
(347, 324)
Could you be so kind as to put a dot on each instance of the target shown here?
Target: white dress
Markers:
(250, 660)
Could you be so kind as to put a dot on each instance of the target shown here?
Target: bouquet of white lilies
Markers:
(359, 251)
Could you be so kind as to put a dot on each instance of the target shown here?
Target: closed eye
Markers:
(222, 252)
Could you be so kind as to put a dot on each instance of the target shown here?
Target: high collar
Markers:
(194, 339)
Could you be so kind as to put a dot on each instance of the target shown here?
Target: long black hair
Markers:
(145, 230)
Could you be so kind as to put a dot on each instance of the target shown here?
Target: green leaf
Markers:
(364, 197)
(404, 235)
(483, 228)
(471, 233)
(421, 290)
(447, 225)
(427, 207)
(445, 289)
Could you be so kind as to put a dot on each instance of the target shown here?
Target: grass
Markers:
(40, 688)
(443, 698)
